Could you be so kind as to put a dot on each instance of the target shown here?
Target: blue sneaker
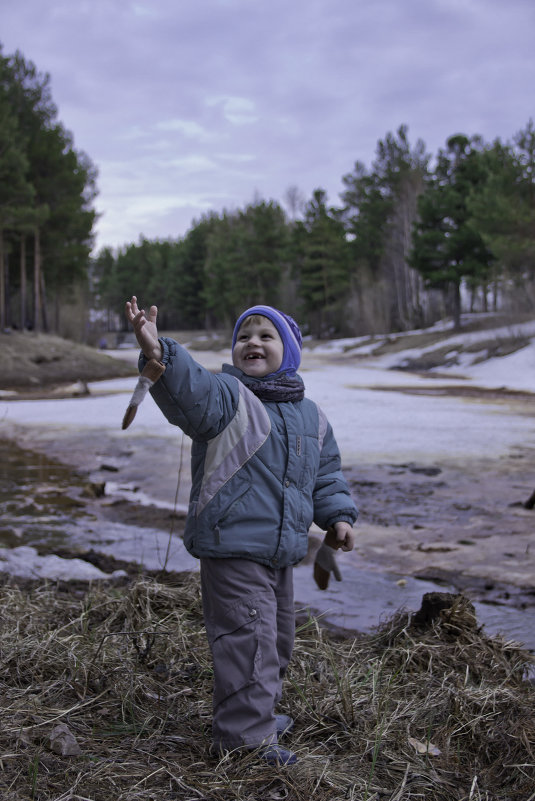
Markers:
(284, 724)
(276, 755)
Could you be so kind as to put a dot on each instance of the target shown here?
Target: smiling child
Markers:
(265, 465)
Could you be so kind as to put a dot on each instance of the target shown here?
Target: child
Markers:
(265, 465)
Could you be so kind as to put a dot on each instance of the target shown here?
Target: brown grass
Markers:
(127, 669)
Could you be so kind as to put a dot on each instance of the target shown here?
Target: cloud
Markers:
(189, 128)
(191, 103)
(237, 110)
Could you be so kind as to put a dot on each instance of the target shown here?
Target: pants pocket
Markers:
(235, 645)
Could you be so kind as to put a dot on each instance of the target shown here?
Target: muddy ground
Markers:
(465, 525)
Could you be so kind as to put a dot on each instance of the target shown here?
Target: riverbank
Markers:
(440, 467)
(97, 500)
(38, 364)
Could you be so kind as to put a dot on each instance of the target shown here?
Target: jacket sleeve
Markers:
(199, 402)
(332, 497)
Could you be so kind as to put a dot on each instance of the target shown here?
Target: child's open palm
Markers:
(145, 328)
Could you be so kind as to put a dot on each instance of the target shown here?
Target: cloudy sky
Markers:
(187, 106)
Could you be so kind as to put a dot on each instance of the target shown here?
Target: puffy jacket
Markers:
(261, 472)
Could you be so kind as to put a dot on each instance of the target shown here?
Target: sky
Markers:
(191, 106)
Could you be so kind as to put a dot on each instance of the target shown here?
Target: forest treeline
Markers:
(414, 235)
(47, 189)
(396, 253)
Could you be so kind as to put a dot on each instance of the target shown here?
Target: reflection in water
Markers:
(39, 499)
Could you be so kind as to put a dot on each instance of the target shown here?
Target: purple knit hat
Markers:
(289, 333)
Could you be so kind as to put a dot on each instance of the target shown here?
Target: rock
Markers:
(63, 742)
(425, 471)
(94, 489)
(530, 503)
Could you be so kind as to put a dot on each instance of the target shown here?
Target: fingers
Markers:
(345, 536)
(136, 316)
(131, 309)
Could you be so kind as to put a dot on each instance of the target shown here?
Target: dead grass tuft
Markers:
(424, 708)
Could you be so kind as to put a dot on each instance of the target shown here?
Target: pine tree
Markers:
(60, 216)
(380, 207)
(447, 247)
(502, 209)
(324, 268)
(16, 191)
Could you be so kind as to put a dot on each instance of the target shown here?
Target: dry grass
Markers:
(128, 671)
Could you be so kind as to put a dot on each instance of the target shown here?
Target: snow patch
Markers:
(25, 562)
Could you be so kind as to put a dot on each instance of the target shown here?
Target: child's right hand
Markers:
(144, 328)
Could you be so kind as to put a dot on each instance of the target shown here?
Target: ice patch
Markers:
(25, 562)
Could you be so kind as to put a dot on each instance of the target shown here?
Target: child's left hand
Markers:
(345, 535)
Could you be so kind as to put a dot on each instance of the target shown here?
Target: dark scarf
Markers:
(278, 389)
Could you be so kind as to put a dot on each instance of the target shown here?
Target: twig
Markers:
(400, 789)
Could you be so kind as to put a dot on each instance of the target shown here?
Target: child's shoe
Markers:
(277, 755)
(284, 724)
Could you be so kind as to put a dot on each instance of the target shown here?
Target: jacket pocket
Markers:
(235, 644)
(233, 510)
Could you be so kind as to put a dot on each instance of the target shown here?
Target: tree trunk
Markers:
(2, 283)
(473, 298)
(57, 312)
(37, 310)
(456, 305)
(7, 293)
(44, 308)
(22, 282)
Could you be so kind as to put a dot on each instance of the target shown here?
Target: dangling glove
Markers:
(149, 375)
(325, 561)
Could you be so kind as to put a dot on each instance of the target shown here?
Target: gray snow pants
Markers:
(250, 622)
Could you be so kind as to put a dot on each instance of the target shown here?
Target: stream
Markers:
(48, 509)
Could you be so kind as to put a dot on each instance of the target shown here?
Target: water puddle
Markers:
(363, 599)
(40, 500)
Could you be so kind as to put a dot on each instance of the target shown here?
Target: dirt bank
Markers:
(36, 362)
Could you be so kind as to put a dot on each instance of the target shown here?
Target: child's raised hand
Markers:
(145, 328)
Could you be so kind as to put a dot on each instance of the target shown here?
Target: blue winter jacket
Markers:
(261, 472)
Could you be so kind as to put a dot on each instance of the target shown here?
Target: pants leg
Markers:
(249, 618)
(285, 628)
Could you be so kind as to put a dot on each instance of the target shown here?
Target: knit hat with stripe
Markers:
(289, 333)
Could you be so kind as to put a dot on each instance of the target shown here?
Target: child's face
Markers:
(258, 350)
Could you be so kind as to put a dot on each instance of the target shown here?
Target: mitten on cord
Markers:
(325, 561)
